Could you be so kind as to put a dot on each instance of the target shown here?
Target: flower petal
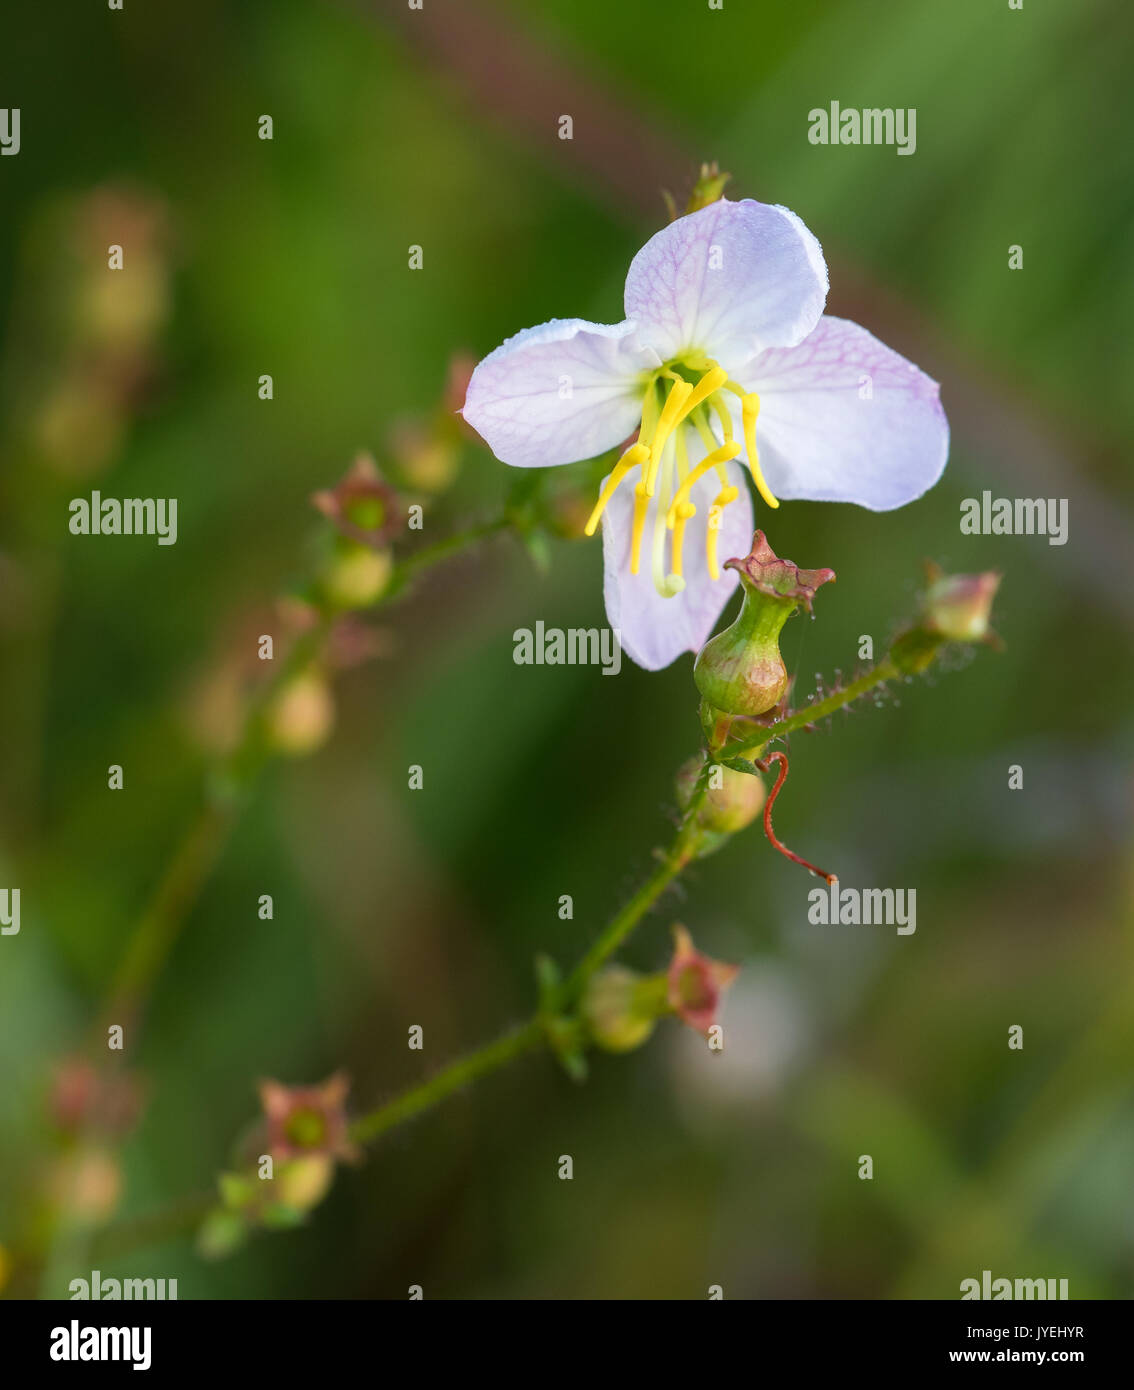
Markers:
(819, 434)
(654, 631)
(560, 392)
(732, 280)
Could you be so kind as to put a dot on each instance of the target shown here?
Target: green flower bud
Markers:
(300, 717)
(741, 671)
(620, 1007)
(356, 576)
(732, 799)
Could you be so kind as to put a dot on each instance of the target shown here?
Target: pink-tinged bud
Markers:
(696, 982)
(300, 717)
(741, 671)
(620, 1007)
(84, 1098)
(308, 1120)
(732, 799)
(362, 505)
(958, 606)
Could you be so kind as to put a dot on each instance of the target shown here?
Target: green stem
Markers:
(430, 555)
(451, 1078)
(531, 1034)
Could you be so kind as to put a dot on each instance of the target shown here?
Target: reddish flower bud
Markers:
(362, 504)
(83, 1097)
(308, 1120)
(696, 982)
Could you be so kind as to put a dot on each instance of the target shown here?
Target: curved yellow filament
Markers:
(713, 529)
(750, 408)
(720, 455)
(636, 454)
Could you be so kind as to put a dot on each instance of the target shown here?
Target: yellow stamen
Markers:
(682, 399)
(682, 456)
(712, 531)
(671, 413)
(681, 512)
(723, 416)
(750, 408)
(670, 584)
(636, 454)
(719, 455)
(641, 503)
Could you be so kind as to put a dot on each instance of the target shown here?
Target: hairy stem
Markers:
(885, 671)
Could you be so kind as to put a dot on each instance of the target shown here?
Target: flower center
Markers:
(661, 456)
(306, 1128)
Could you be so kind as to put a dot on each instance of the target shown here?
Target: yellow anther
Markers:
(681, 513)
(713, 529)
(636, 454)
(750, 408)
(720, 455)
(712, 381)
(641, 503)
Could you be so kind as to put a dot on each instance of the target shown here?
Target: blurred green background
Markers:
(439, 128)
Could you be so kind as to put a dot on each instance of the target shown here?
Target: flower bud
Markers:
(696, 983)
(426, 458)
(300, 717)
(741, 671)
(620, 1007)
(356, 576)
(85, 1098)
(732, 799)
(362, 505)
(87, 1183)
(302, 1183)
(307, 1121)
(956, 608)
